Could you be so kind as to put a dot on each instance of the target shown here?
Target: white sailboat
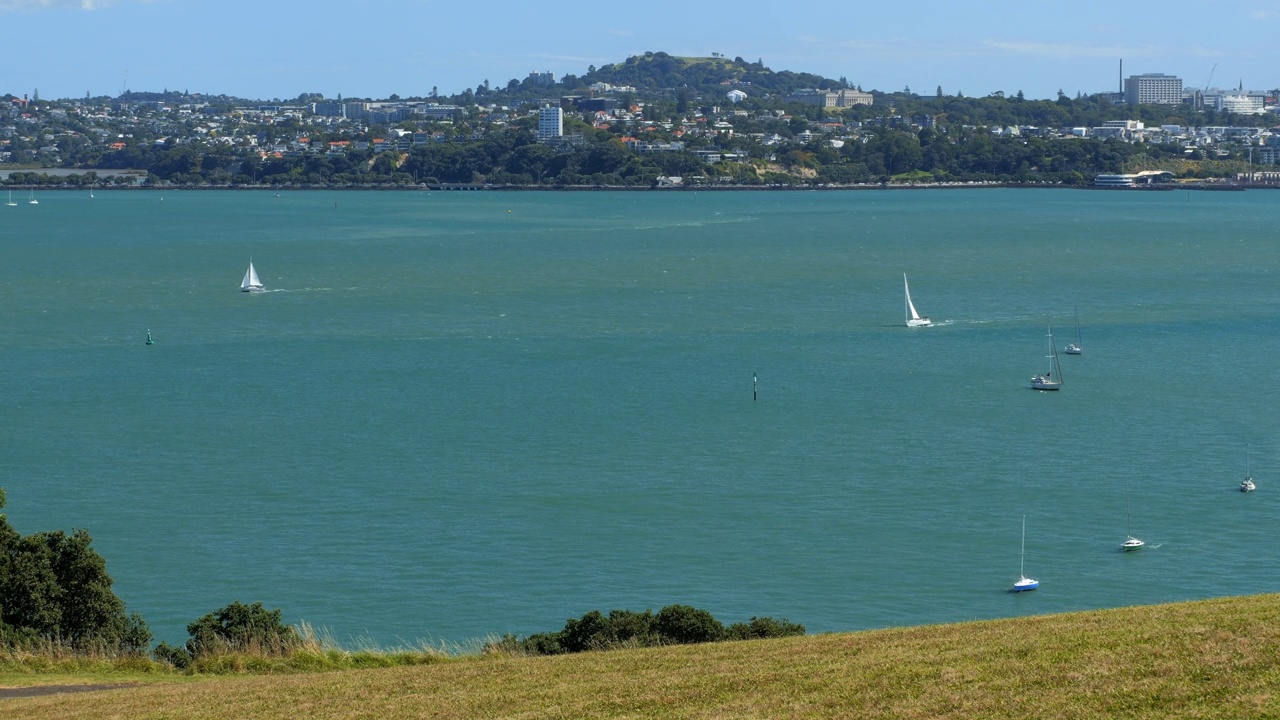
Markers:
(1247, 484)
(1077, 347)
(1051, 380)
(11, 203)
(913, 317)
(33, 200)
(1130, 542)
(251, 283)
(1024, 583)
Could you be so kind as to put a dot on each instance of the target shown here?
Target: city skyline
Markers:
(409, 47)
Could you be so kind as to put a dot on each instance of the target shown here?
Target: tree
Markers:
(54, 586)
(240, 627)
(764, 627)
(685, 624)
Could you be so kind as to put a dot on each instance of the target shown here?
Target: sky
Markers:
(281, 48)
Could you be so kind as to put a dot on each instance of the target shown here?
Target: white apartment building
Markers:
(1153, 88)
(550, 123)
(1242, 104)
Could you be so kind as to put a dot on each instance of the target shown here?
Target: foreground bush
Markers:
(249, 639)
(673, 625)
(238, 630)
(54, 589)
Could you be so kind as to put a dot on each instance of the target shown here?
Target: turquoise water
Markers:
(461, 414)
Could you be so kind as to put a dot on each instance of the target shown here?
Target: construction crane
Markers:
(1207, 84)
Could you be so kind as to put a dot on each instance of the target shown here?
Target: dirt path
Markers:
(39, 690)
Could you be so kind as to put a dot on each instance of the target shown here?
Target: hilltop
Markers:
(1211, 659)
(660, 72)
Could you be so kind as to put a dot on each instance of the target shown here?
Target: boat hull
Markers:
(1073, 350)
(1039, 383)
(1132, 544)
(1025, 584)
(920, 322)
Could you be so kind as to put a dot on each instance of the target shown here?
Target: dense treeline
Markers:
(672, 625)
(881, 155)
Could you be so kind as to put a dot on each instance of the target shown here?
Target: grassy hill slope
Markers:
(1210, 659)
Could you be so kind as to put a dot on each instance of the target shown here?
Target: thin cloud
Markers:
(1066, 51)
(574, 60)
(19, 5)
(1257, 9)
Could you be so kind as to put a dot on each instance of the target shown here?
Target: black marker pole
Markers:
(755, 387)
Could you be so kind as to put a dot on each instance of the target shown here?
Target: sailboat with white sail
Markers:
(1130, 542)
(1023, 582)
(33, 200)
(913, 317)
(11, 203)
(1051, 379)
(1247, 485)
(1077, 347)
(251, 283)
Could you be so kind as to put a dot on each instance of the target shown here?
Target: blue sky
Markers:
(280, 48)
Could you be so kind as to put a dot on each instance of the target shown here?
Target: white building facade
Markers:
(1153, 89)
(550, 123)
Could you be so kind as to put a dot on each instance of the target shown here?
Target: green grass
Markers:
(913, 176)
(313, 653)
(1210, 659)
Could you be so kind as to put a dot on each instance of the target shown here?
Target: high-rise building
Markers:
(550, 123)
(544, 79)
(1154, 89)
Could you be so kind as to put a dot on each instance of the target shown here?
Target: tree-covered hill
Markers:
(658, 72)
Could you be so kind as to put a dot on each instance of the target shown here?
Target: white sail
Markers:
(913, 317)
(251, 281)
(1023, 582)
(1051, 380)
(1077, 347)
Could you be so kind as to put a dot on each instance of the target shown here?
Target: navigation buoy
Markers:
(150, 340)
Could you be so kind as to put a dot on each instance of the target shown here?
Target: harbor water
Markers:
(454, 415)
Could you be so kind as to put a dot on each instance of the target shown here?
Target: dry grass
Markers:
(1212, 659)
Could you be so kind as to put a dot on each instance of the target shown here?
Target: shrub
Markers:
(240, 627)
(684, 624)
(673, 625)
(759, 628)
(178, 657)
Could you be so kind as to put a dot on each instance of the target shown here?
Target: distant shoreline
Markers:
(1219, 186)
